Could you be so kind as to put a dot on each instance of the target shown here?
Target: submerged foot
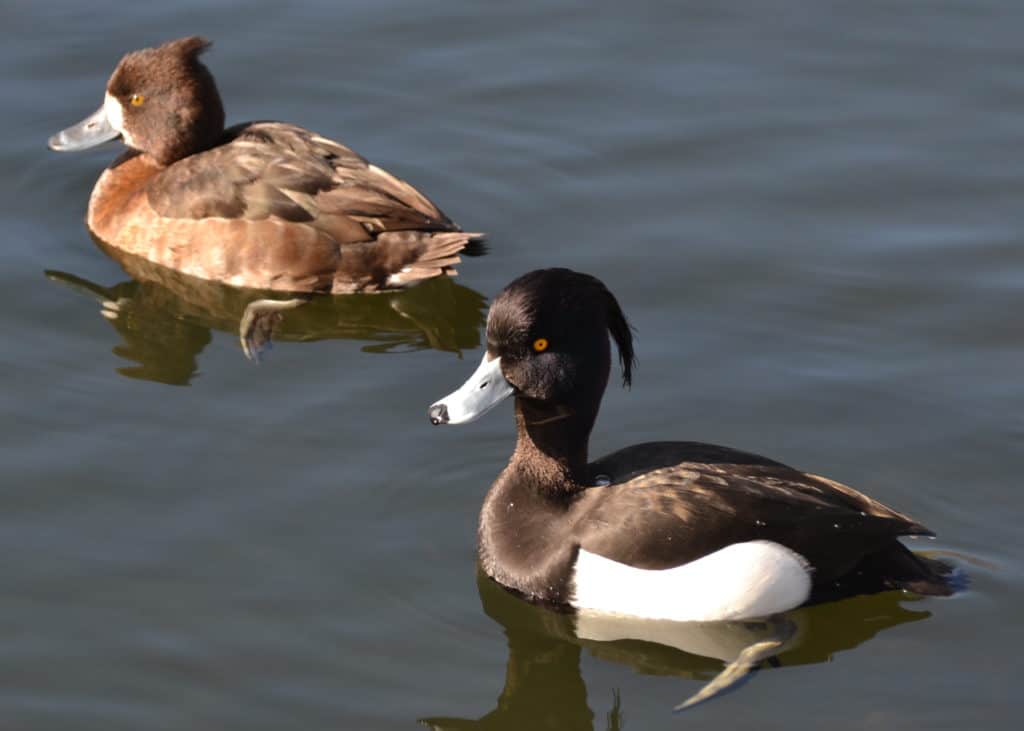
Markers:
(745, 664)
(258, 322)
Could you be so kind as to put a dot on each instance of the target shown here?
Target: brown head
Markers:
(161, 101)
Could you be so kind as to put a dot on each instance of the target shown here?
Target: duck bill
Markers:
(484, 390)
(91, 131)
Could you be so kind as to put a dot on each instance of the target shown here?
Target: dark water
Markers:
(811, 212)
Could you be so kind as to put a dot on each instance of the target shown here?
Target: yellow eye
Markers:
(137, 100)
(540, 345)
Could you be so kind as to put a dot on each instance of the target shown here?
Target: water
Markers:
(811, 214)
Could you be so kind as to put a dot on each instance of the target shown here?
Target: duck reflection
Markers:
(164, 317)
(545, 690)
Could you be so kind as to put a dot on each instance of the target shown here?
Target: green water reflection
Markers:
(545, 690)
(164, 318)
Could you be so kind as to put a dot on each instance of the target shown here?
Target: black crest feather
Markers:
(622, 334)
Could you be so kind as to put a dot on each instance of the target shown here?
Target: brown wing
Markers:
(712, 497)
(274, 170)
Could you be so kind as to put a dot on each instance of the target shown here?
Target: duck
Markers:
(262, 205)
(669, 530)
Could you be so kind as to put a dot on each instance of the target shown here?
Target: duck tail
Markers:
(399, 259)
(431, 255)
(894, 567)
(938, 578)
(901, 568)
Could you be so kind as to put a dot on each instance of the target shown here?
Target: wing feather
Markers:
(679, 512)
(274, 170)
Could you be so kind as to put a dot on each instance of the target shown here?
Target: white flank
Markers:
(741, 581)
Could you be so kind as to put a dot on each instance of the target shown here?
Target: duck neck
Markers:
(551, 445)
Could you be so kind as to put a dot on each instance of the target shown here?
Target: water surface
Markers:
(810, 212)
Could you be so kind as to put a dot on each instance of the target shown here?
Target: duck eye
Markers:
(137, 100)
(540, 345)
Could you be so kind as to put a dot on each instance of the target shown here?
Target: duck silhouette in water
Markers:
(544, 688)
(165, 318)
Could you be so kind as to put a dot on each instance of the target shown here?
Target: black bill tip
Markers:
(438, 414)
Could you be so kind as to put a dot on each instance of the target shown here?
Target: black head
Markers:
(547, 344)
(550, 328)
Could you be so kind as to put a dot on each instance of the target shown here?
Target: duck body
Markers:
(264, 205)
(665, 530)
(800, 539)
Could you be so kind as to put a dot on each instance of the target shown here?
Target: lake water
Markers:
(811, 212)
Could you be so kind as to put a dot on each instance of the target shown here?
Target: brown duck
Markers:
(265, 205)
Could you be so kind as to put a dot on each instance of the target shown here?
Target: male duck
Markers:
(263, 204)
(664, 530)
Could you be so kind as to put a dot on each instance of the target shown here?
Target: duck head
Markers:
(161, 101)
(547, 344)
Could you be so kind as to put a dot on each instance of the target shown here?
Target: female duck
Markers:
(664, 530)
(263, 204)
